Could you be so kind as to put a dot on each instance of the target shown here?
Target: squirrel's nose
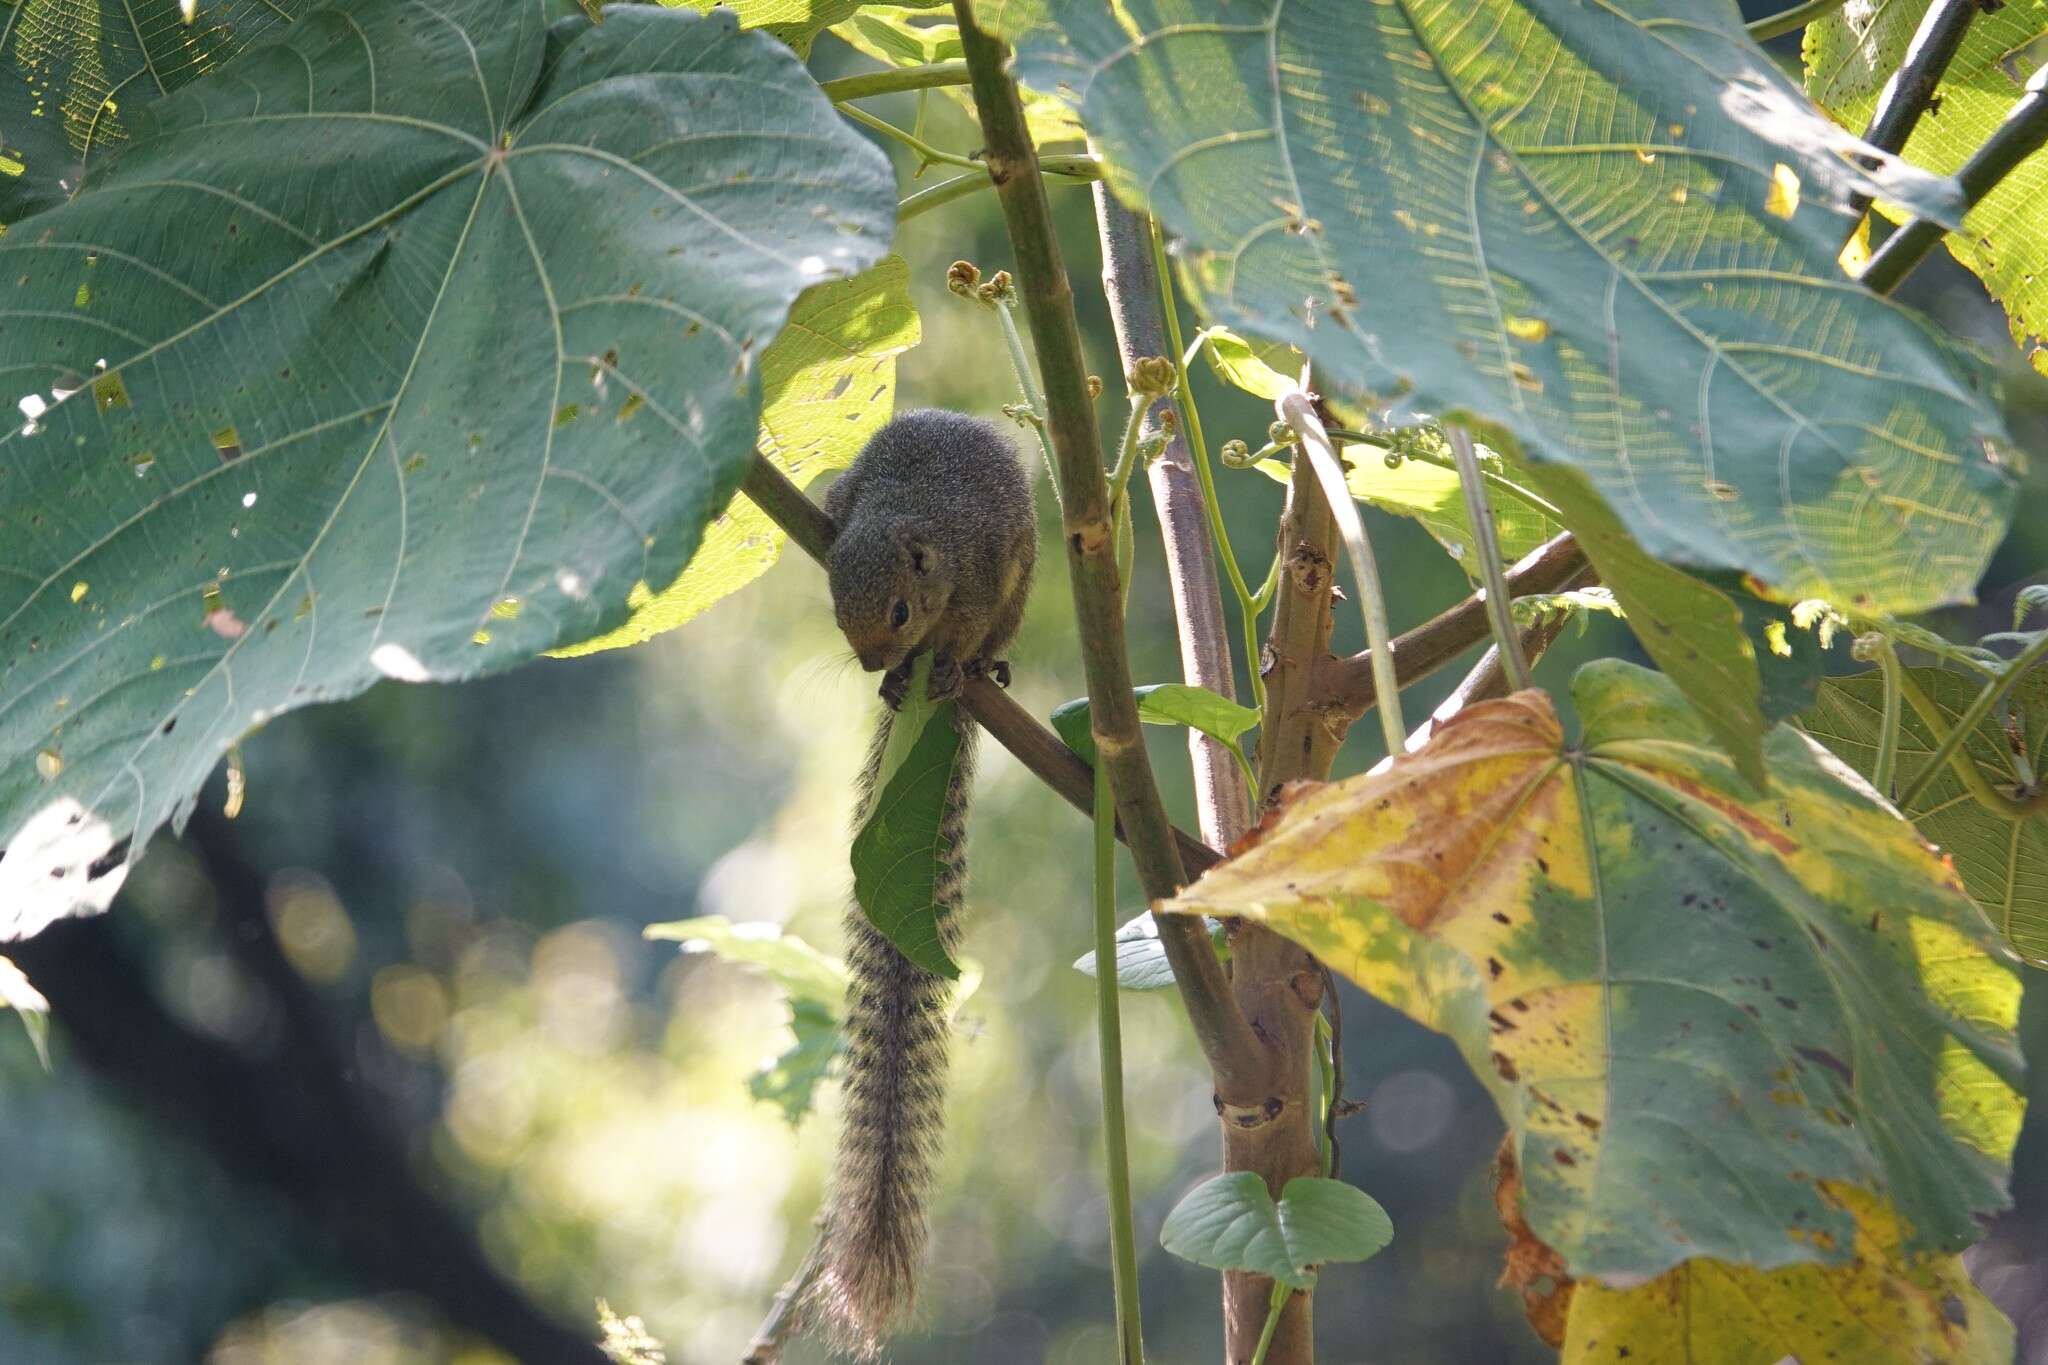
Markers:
(870, 659)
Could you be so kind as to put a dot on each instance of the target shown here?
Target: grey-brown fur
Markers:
(936, 513)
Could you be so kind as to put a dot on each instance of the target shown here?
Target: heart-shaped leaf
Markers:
(1708, 1018)
(1231, 1223)
(1603, 228)
(452, 344)
(1198, 708)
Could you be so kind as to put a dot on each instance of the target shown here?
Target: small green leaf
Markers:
(789, 961)
(901, 845)
(1264, 369)
(1215, 715)
(1141, 963)
(26, 1001)
(905, 35)
(1231, 1223)
(790, 1081)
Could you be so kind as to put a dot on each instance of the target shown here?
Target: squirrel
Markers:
(937, 537)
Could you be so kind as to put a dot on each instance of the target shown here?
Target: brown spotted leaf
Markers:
(1710, 1019)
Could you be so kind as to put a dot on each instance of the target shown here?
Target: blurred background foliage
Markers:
(438, 893)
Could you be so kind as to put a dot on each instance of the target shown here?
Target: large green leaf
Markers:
(2003, 862)
(827, 384)
(1713, 1022)
(1850, 56)
(1564, 218)
(410, 371)
(72, 73)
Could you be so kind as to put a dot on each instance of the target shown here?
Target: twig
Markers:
(926, 153)
(1908, 93)
(1346, 686)
(1949, 749)
(785, 1315)
(1076, 168)
(870, 83)
(1799, 16)
(1222, 795)
(2019, 137)
(1041, 751)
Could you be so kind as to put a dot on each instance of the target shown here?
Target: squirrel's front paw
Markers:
(946, 680)
(996, 669)
(895, 687)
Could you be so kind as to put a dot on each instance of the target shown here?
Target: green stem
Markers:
(927, 153)
(1191, 421)
(1326, 1094)
(1078, 168)
(1123, 1237)
(1296, 410)
(1964, 767)
(870, 83)
(1281, 1293)
(2019, 137)
(1894, 696)
(1034, 397)
(1784, 21)
(1950, 748)
(1492, 572)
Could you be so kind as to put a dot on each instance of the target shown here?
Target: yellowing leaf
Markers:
(1883, 1308)
(1695, 1008)
(905, 35)
(827, 384)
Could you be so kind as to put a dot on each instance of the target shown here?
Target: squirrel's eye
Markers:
(899, 615)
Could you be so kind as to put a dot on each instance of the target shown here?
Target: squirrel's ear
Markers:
(917, 553)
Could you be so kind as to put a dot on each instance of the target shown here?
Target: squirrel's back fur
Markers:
(955, 482)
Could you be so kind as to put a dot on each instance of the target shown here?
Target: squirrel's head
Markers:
(887, 590)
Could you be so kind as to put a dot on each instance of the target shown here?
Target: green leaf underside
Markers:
(449, 349)
(1849, 57)
(827, 384)
(1710, 1020)
(1554, 216)
(898, 851)
(1141, 963)
(1198, 708)
(1231, 1223)
(73, 71)
(2003, 862)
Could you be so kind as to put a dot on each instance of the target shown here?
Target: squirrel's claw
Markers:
(946, 680)
(895, 687)
(997, 670)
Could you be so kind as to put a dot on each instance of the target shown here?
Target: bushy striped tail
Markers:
(875, 1226)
